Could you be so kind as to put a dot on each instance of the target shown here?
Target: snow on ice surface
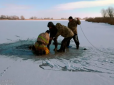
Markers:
(19, 66)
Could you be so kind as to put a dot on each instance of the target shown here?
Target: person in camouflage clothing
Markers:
(72, 24)
(65, 32)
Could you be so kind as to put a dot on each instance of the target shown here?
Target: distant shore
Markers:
(46, 19)
(37, 19)
(101, 20)
(34, 19)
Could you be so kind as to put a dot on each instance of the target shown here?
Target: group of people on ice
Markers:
(42, 45)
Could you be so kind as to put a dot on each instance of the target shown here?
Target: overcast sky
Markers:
(54, 8)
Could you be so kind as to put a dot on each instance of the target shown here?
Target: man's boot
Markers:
(61, 50)
(77, 47)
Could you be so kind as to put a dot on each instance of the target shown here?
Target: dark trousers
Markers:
(64, 43)
(55, 43)
(75, 38)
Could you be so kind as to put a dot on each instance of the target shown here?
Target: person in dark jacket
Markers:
(72, 24)
(52, 31)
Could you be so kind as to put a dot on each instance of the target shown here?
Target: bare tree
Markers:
(3, 17)
(104, 12)
(15, 17)
(10, 17)
(62, 18)
(22, 17)
(110, 11)
(33, 17)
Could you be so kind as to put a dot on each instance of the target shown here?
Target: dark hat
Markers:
(50, 24)
(70, 17)
(48, 31)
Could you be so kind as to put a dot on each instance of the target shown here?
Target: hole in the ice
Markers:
(21, 49)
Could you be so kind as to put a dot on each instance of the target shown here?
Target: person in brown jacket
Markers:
(63, 31)
(72, 24)
(39, 47)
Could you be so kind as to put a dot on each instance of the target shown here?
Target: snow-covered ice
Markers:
(19, 66)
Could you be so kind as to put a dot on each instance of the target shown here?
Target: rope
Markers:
(92, 44)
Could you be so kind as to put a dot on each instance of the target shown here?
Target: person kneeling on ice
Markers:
(63, 31)
(39, 47)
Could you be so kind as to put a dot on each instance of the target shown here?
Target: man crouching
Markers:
(40, 47)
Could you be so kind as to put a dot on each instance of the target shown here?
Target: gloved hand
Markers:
(55, 49)
(54, 38)
(77, 18)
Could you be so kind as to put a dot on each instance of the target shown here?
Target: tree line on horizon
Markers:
(12, 17)
(107, 16)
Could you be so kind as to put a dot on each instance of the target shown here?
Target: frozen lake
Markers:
(19, 66)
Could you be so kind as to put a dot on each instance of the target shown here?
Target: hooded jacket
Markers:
(42, 41)
(52, 30)
(63, 31)
(43, 38)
